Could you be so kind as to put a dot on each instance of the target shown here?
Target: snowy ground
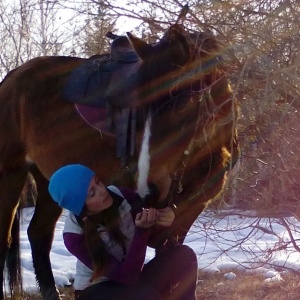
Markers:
(227, 243)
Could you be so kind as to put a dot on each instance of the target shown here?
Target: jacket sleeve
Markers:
(128, 271)
(75, 243)
(125, 272)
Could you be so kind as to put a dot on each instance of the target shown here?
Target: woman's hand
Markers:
(146, 218)
(166, 217)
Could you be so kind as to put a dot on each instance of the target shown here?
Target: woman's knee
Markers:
(145, 292)
(189, 252)
(185, 252)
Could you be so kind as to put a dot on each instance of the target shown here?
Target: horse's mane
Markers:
(206, 67)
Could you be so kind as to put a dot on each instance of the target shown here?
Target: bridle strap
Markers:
(176, 187)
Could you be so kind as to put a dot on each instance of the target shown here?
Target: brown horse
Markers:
(185, 137)
(193, 117)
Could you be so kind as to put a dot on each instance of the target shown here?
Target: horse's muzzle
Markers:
(151, 199)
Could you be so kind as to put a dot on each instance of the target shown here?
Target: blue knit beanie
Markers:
(69, 187)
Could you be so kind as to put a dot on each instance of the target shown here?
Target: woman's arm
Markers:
(75, 243)
(128, 271)
(125, 272)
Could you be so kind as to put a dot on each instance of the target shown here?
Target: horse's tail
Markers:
(13, 261)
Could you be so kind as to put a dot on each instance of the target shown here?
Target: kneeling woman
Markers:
(107, 230)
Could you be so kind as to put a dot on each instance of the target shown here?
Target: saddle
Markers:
(106, 79)
(103, 89)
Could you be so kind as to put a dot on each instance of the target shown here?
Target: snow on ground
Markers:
(222, 244)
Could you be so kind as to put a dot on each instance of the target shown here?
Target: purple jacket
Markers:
(126, 271)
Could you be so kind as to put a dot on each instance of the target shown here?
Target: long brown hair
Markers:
(110, 219)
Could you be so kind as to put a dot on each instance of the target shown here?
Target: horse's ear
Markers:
(142, 49)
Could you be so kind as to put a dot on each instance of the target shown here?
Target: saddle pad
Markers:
(122, 123)
(94, 116)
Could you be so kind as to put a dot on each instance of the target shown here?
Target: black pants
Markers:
(172, 275)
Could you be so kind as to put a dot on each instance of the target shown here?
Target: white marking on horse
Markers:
(144, 162)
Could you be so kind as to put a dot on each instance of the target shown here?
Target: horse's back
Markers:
(40, 69)
(37, 122)
(40, 76)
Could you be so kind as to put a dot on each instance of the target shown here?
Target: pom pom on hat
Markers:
(68, 187)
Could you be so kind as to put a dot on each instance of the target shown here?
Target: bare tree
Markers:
(261, 46)
(45, 35)
(31, 28)
(92, 40)
(14, 26)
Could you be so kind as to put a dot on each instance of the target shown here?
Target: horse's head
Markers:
(176, 83)
(161, 64)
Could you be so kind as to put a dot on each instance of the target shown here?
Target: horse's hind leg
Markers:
(40, 234)
(12, 180)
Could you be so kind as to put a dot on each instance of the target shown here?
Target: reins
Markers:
(177, 176)
(206, 98)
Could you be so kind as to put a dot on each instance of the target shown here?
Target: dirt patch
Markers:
(247, 287)
(217, 287)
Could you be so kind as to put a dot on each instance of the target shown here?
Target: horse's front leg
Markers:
(40, 234)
